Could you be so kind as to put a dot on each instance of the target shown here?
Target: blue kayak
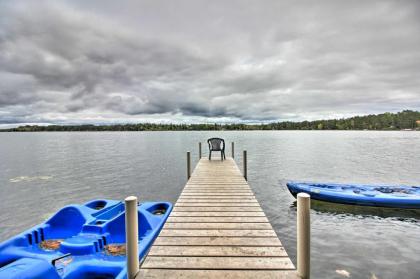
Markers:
(382, 196)
(80, 241)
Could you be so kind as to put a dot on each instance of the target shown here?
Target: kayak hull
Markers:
(364, 195)
(81, 241)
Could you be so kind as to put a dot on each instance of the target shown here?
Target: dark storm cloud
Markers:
(99, 61)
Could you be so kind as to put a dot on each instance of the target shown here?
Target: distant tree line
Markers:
(406, 119)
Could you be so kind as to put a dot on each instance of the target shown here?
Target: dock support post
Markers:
(233, 149)
(245, 163)
(188, 165)
(304, 234)
(132, 236)
(199, 150)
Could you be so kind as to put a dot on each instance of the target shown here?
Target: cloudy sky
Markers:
(206, 61)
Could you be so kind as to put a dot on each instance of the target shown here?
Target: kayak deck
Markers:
(217, 229)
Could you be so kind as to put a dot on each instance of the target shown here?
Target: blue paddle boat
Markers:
(382, 196)
(81, 241)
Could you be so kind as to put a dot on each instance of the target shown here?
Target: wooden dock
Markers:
(217, 229)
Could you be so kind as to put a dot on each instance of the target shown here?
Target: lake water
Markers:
(42, 172)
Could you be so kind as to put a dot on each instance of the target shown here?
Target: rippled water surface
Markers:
(42, 172)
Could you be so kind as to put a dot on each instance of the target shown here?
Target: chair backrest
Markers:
(216, 144)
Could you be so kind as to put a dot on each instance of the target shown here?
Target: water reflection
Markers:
(322, 207)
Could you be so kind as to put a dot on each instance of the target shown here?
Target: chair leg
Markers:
(210, 155)
(221, 155)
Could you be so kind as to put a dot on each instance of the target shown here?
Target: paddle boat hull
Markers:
(367, 195)
(81, 241)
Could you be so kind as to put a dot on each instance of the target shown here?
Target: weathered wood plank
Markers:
(212, 174)
(217, 204)
(217, 183)
(218, 262)
(235, 251)
(218, 213)
(218, 232)
(235, 226)
(173, 219)
(216, 192)
(218, 241)
(233, 191)
(219, 194)
(213, 182)
(213, 186)
(219, 190)
(217, 208)
(223, 178)
(192, 197)
(195, 200)
(217, 187)
(207, 274)
(215, 197)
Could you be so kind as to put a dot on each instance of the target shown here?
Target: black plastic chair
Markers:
(217, 144)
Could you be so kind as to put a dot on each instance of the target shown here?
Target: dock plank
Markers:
(218, 241)
(218, 262)
(205, 219)
(227, 190)
(208, 204)
(218, 193)
(236, 202)
(216, 208)
(210, 274)
(218, 232)
(218, 214)
(221, 226)
(190, 197)
(221, 251)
